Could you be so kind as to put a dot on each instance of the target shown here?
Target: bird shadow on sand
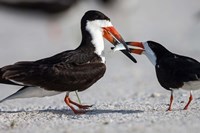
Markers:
(69, 112)
(91, 112)
(110, 111)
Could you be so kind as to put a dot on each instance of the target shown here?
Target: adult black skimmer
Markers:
(173, 71)
(46, 6)
(73, 70)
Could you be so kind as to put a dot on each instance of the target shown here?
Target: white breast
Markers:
(96, 31)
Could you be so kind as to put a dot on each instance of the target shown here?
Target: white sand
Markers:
(128, 98)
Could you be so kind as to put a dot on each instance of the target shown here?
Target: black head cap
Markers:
(92, 15)
(158, 49)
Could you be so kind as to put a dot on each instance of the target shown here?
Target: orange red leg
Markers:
(171, 101)
(80, 106)
(68, 101)
(190, 99)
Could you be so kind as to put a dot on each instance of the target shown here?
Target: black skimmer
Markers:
(48, 6)
(173, 71)
(107, 1)
(73, 70)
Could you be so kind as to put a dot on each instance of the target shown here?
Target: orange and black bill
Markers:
(113, 36)
(137, 45)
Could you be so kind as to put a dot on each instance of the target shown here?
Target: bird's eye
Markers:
(152, 46)
(96, 16)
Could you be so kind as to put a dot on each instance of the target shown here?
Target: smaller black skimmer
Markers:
(173, 71)
(72, 70)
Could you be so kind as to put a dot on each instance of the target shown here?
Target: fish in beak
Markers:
(113, 36)
(138, 47)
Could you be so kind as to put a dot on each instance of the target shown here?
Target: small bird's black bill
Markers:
(139, 47)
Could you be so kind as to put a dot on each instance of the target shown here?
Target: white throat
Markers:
(149, 53)
(96, 31)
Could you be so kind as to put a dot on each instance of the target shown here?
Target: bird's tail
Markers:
(30, 91)
(15, 95)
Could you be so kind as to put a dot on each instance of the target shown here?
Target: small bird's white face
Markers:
(149, 53)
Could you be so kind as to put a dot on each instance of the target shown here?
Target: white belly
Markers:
(192, 85)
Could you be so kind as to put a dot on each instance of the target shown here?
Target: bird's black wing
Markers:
(175, 70)
(71, 57)
(61, 76)
(5, 81)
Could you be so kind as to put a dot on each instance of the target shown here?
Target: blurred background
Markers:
(34, 29)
